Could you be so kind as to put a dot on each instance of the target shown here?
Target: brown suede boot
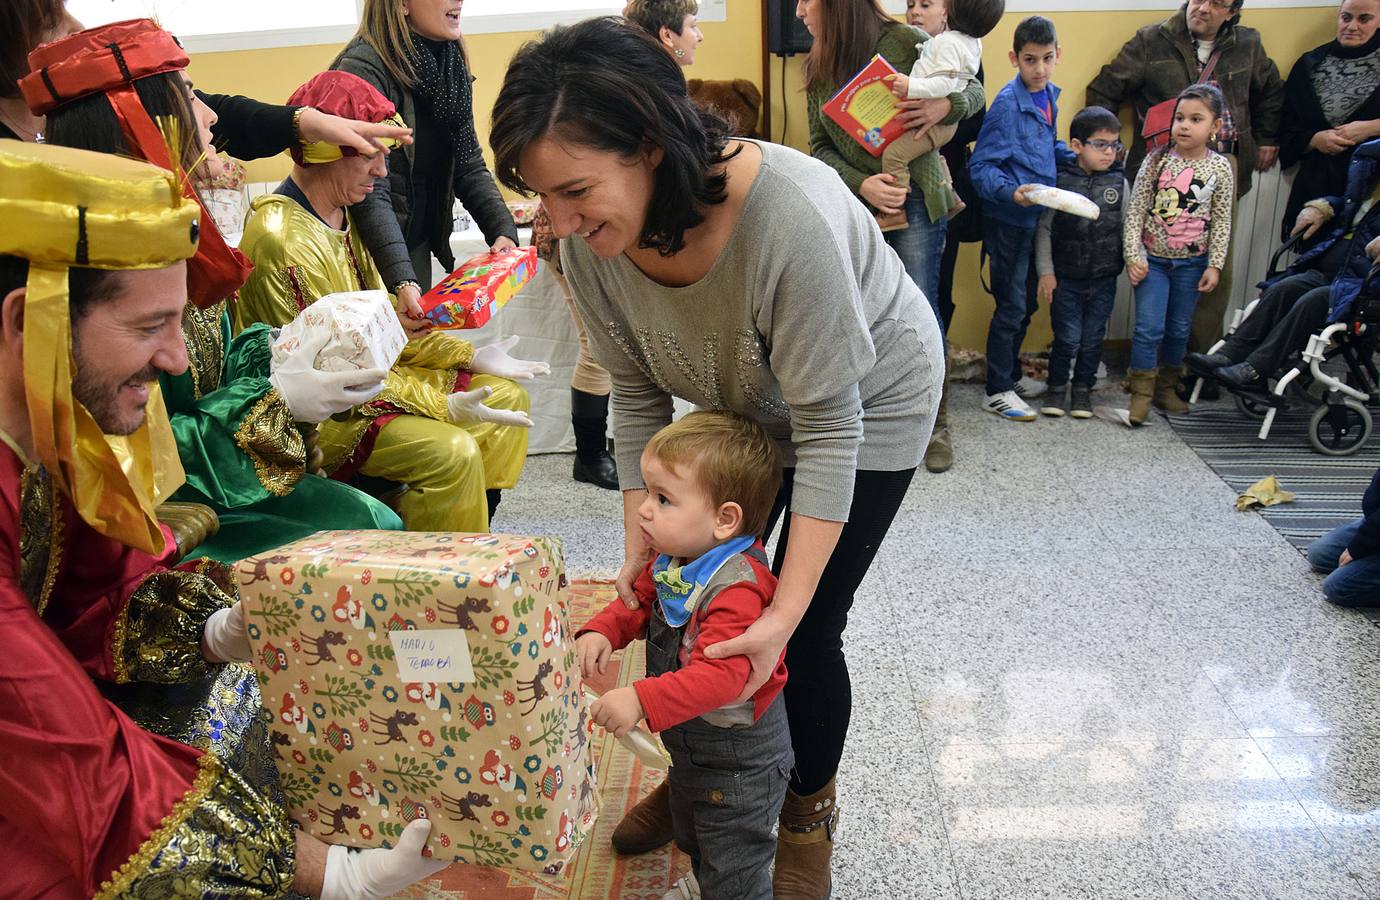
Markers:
(1142, 389)
(647, 825)
(804, 844)
(1166, 397)
(939, 455)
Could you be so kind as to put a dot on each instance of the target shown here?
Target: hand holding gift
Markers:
(593, 650)
(371, 874)
(618, 711)
(493, 359)
(224, 637)
(470, 295)
(336, 354)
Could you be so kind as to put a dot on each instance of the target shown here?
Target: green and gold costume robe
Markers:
(244, 456)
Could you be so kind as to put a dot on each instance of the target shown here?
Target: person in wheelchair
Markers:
(1319, 287)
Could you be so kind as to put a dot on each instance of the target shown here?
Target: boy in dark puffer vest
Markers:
(1078, 260)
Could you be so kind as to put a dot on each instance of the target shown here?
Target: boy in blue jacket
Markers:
(1017, 150)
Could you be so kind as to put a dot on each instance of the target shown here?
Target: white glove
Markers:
(314, 396)
(371, 874)
(467, 407)
(224, 638)
(494, 360)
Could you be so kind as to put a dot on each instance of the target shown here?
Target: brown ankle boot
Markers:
(647, 825)
(804, 843)
(939, 454)
(1166, 397)
(1142, 389)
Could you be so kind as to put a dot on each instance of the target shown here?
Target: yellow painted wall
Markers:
(732, 49)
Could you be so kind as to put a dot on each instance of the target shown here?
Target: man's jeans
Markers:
(1008, 249)
(921, 248)
(1165, 301)
(1079, 314)
(1355, 584)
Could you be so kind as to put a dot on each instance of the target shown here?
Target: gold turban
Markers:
(61, 208)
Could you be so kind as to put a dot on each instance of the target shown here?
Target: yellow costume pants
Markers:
(447, 467)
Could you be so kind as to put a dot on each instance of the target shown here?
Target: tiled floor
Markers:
(1079, 672)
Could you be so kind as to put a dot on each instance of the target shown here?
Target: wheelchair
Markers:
(1342, 421)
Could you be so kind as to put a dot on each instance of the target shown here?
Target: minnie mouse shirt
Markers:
(1181, 208)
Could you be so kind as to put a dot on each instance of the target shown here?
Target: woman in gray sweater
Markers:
(744, 276)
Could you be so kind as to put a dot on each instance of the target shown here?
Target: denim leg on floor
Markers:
(1008, 249)
(1098, 300)
(1164, 310)
(1032, 303)
(1355, 584)
(921, 248)
(1066, 318)
(1184, 275)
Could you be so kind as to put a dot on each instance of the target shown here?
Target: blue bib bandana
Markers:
(678, 588)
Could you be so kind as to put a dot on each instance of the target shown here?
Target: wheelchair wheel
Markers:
(1339, 429)
(1251, 407)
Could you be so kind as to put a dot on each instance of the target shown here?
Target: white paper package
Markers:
(363, 332)
(1065, 201)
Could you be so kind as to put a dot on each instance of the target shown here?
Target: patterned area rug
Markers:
(597, 873)
(1328, 489)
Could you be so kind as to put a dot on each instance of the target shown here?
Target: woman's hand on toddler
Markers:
(1211, 275)
(618, 711)
(1137, 270)
(1046, 287)
(593, 650)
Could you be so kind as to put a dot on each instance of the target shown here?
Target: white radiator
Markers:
(1254, 237)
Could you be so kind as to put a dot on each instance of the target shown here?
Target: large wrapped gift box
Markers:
(469, 296)
(412, 674)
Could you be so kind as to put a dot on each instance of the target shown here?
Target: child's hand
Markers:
(592, 649)
(1021, 198)
(899, 84)
(1136, 271)
(618, 711)
(1046, 287)
(1211, 275)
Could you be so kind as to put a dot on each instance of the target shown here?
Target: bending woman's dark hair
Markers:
(608, 85)
(91, 123)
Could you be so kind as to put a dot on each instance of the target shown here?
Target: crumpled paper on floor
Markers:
(1265, 492)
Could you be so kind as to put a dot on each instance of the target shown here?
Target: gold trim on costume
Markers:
(271, 440)
(205, 341)
(40, 536)
(123, 878)
(157, 635)
(222, 837)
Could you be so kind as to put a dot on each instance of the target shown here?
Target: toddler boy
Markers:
(1078, 260)
(711, 479)
(1016, 151)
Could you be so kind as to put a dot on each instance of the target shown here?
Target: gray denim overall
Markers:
(728, 774)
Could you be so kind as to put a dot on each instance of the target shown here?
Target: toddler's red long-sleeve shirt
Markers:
(701, 684)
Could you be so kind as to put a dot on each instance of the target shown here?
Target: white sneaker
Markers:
(1028, 388)
(1009, 406)
(685, 889)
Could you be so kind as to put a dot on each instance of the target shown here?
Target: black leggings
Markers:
(819, 698)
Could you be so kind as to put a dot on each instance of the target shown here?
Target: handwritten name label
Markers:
(441, 655)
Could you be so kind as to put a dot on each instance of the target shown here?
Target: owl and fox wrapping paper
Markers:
(414, 675)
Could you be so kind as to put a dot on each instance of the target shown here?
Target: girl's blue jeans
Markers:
(1165, 301)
